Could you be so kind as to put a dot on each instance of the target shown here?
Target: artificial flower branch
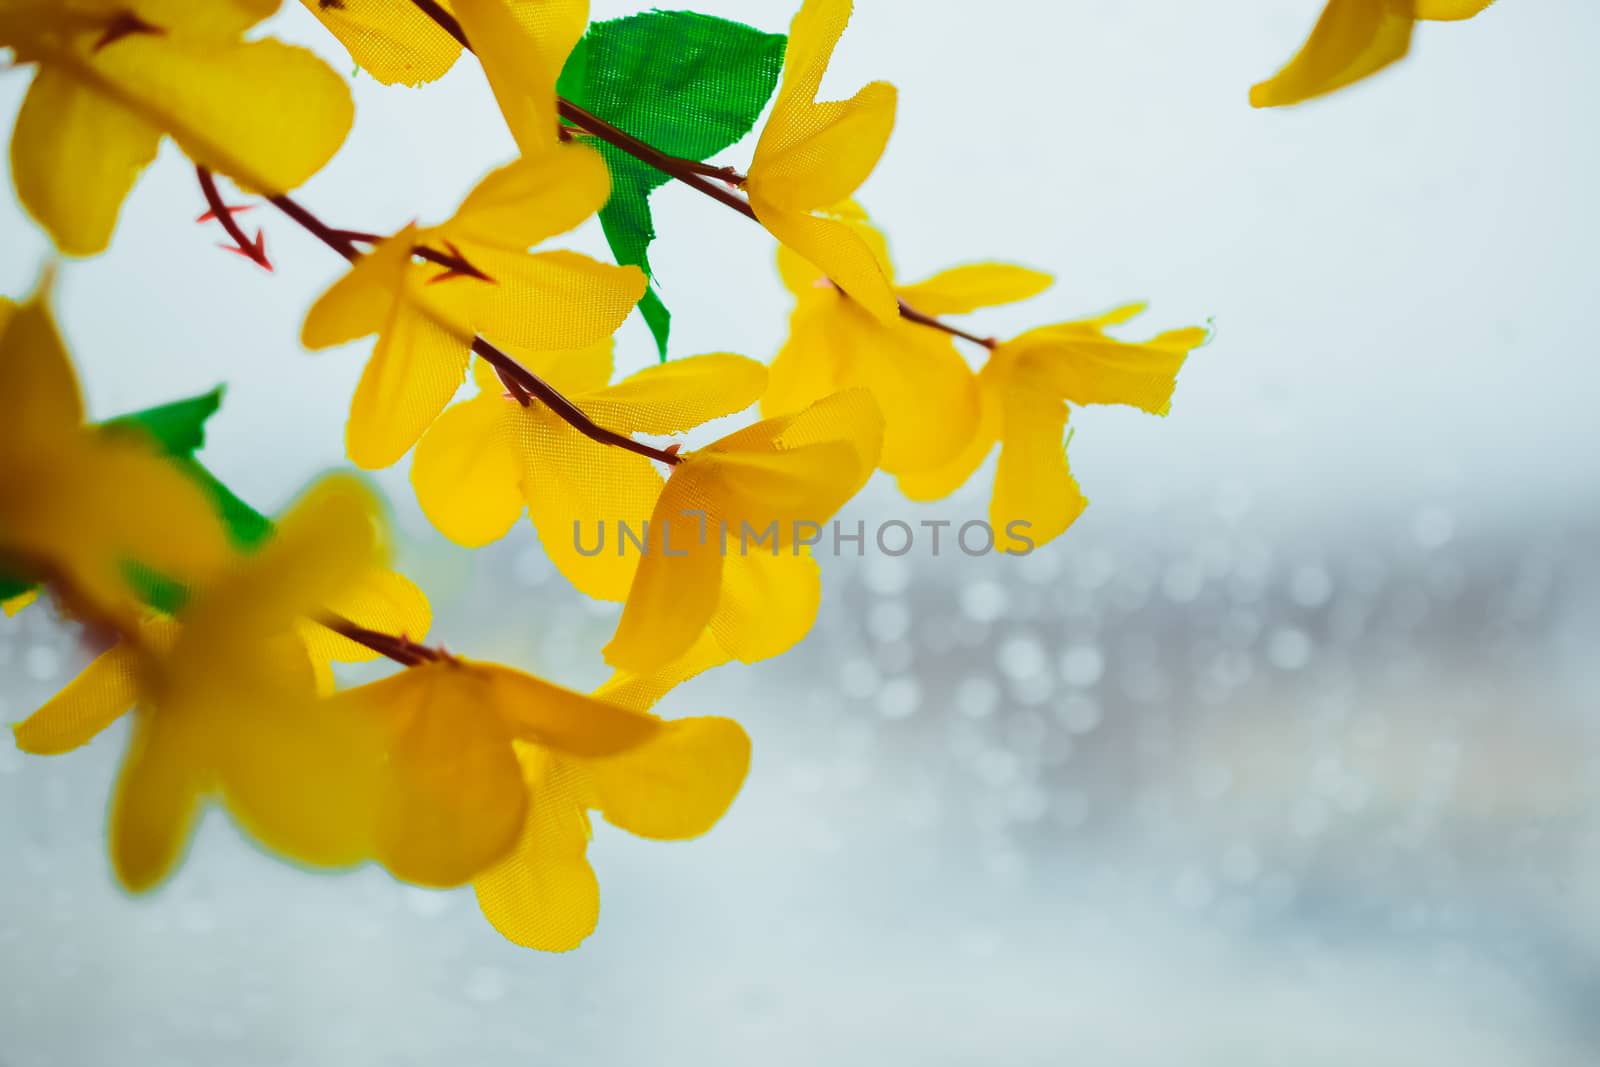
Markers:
(702, 177)
(522, 383)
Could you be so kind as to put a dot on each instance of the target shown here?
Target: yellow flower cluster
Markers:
(449, 771)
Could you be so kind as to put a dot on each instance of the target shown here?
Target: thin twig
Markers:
(401, 649)
(255, 251)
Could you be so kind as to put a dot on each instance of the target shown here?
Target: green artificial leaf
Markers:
(179, 428)
(690, 85)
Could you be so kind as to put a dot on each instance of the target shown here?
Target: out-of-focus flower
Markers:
(921, 383)
(449, 799)
(481, 279)
(813, 156)
(226, 703)
(486, 460)
(116, 76)
(1026, 387)
(673, 787)
(395, 41)
(727, 543)
(78, 504)
(1353, 40)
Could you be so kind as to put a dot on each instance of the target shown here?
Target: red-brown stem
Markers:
(402, 650)
(911, 314)
(343, 242)
(337, 240)
(565, 409)
(224, 216)
(689, 172)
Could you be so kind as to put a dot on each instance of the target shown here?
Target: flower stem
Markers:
(911, 314)
(344, 243)
(402, 650)
(696, 175)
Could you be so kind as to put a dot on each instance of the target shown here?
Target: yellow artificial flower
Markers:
(486, 460)
(427, 313)
(726, 547)
(925, 389)
(522, 46)
(226, 703)
(1026, 387)
(1352, 40)
(393, 40)
(814, 156)
(115, 76)
(673, 787)
(450, 799)
(78, 504)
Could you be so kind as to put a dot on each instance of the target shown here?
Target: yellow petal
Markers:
(924, 388)
(466, 472)
(75, 154)
(328, 542)
(580, 495)
(301, 781)
(572, 371)
(669, 398)
(679, 784)
(979, 285)
(559, 719)
(392, 40)
(522, 45)
(1352, 39)
(816, 156)
(837, 250)
(545, 896)
(641, 692)
(678, 581)
(218, 18)
(811, 156)
(769, 601)
(363, 300)
(450, 798)
(382, 601)
(1450, 10)
(266, 114)
(1087, 367)
(552, 301)
(155, 804)
(36, 376)
(813, 35)
(417, 366)
(808, 366)
(850, 416)
(95, 500)
(99, 696)
(1033, 485)
(523, 203)
(936, 483)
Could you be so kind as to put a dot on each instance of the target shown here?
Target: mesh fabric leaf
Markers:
(689, 84)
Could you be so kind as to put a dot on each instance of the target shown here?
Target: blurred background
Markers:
(1287, 753)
